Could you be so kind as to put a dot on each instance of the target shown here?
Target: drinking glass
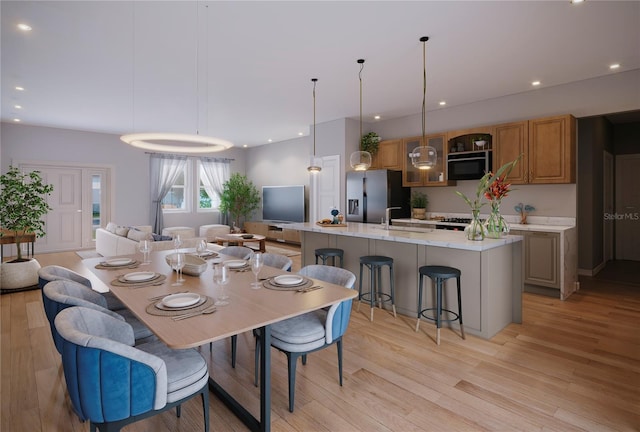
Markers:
(201, 248)
(256, 264)
(145, 247)
(221, 278)
(177, 263)
(177, 242)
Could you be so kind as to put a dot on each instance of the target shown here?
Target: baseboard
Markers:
(592, 272)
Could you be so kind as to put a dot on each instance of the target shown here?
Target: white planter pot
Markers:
(19, 275)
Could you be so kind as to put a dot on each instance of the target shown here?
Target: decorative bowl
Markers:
(194, 266)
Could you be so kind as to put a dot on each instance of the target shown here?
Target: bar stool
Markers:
(326, 253)
(439, 274)
(375, 264)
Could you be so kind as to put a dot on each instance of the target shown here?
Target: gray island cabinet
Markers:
(492, 278)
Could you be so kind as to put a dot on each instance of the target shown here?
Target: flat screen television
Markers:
(283, 203)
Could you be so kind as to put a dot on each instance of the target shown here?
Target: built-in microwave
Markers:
(468, 165)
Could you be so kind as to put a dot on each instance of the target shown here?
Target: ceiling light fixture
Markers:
(315, 166)
(443, 103)
(19, 88)
(535, 83)
(360, 160)
(177, 142)
(425, 156)
(17, 120)
(24, 27)
(614, 66)
(376, 117)
(17, 106)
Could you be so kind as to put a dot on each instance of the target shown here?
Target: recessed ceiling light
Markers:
(17, 106)
(535, 83)
(269, 140)
(19, 88)
(575, 1)
(245, 146)
(24, 27)
(614, 66)
(376, 117)
(17, 120)
(443, 103)
(299, 133)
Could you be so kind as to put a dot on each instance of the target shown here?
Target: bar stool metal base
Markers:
(375, 295)
(439, 274)
(325, 253)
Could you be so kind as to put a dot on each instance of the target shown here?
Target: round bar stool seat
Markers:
(375, 263)
(439, 274)
(326, 253)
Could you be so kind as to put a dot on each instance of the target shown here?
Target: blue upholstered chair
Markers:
(241, 252)
(61, 294)
(111, 383)
(282, 262)
(53, 272)
(313, 331)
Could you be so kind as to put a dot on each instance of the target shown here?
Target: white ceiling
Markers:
(122, 67)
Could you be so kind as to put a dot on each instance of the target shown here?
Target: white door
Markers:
(325, 189)
(627, 215)
(607, 188)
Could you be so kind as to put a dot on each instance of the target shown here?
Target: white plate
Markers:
(287, 280)
(181, 300)
(207, 253)
(139, 276)
(236, 263)
(216, 260)
(118, 261)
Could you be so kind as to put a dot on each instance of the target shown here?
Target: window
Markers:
(177, 199)
(206, 200)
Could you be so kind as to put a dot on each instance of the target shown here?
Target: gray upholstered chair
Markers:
(282, 262)
(313, 331)
(54, 272)
(111, 383)
(241, 252)
(61, 294)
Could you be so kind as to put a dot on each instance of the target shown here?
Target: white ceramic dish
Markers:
(236, 263)
(216, 260)
(118, 261)
(139, 276)
(287, 280)
(181, 300)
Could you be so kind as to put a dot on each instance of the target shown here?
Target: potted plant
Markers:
(480, 141)
(23, 203)
(239, 197)
(419, 203)
(370, 143)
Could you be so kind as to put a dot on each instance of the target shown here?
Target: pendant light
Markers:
(424, 157)
(178, 142)
(360, 160)
(315, 166)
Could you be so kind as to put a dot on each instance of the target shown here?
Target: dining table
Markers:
(142, 286)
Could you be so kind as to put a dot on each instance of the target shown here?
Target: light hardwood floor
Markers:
(571, 366)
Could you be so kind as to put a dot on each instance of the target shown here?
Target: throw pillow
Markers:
(137, 235)
(111, 227)
(160, 237)
(122, 231)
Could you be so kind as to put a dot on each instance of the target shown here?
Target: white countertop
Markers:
(562, 226)
(440, 238)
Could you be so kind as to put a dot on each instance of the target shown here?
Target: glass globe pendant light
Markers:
(315, 165)
(360, 160)
(424, 157)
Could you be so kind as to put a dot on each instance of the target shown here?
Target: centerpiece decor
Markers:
(523, 209)
(496, 225)
(477, 230)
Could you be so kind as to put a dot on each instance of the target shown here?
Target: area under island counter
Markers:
(492, 279)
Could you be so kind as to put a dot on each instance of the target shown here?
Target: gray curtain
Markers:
(215, 173)
(164, 171)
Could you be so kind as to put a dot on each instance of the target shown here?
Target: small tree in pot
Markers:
(22, 204)
(239, 197)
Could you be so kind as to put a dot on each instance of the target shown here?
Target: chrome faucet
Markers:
(387, 213)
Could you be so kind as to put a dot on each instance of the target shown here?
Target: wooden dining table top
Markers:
(248, 308)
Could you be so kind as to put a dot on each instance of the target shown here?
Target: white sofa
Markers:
(119, 240)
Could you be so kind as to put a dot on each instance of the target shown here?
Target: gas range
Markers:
(457, 220)
(453, 224)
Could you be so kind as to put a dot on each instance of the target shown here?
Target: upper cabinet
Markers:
(388, 156)
(414, 177)
(547, 145)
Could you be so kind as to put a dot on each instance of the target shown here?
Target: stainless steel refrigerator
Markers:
(369, 193)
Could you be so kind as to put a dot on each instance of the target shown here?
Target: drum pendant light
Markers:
(315, 165)
(424, 157)
(360, 160)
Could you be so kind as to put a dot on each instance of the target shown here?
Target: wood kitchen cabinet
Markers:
(541, 258)
(436, 176)
(548, 147)
(388, 156)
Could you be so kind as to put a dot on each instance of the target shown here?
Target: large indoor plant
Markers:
(23, 203)
(239, 197)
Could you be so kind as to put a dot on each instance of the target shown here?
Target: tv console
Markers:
(273, 232)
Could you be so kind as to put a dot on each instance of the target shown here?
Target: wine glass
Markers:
(145, 247)
(177, 263)
(221, 278)
(177, 242)
(256, 264)
(201, 247)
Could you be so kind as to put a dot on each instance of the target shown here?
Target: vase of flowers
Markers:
(496, 225)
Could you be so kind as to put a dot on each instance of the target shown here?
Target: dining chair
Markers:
(241, 252)
(61, 294)
(313, 331)
(111, 383)
(54, 272)
(282, 262)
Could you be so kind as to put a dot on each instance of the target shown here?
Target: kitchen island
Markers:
(492, 279)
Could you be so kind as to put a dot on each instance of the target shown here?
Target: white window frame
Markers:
(198, 169)
(188, 192)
